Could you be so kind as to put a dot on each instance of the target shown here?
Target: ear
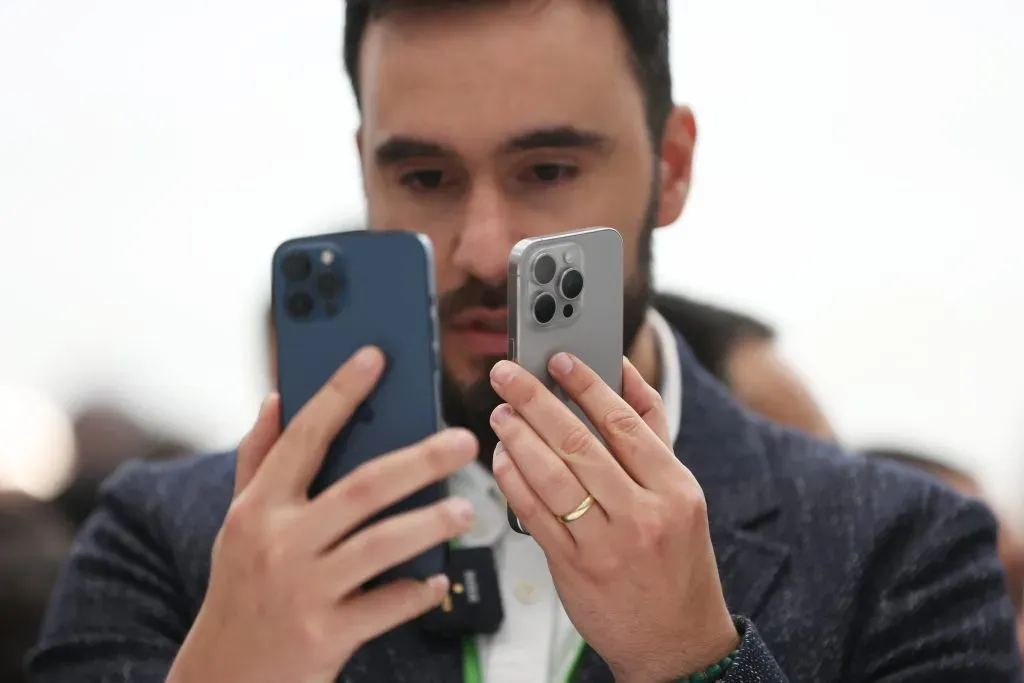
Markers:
(677, 144)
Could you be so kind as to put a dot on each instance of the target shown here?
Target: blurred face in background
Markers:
(486, 125)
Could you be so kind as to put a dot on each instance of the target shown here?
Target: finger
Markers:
(257, 443)
(566, 434)
(645, 400)
(382, 482)
(380, 610)
(387, 544)
(533, 514)
(549, 476)
(640, 451)
(295, 459)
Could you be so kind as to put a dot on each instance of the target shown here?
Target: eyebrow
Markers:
(559, 137)
(399, 149)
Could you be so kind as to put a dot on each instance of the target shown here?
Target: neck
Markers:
(644, 355)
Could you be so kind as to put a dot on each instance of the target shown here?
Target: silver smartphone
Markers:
(565, 293)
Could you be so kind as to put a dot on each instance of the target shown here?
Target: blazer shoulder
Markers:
(837, 484)
(185, 498)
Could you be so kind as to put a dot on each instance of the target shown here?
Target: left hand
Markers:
(637, 572)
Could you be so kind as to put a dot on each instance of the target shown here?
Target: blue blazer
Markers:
(837, 568)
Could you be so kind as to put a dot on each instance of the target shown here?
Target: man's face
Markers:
(483, 126)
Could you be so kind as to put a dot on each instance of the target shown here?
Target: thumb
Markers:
(258, 442)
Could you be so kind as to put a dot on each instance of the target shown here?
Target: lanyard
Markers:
(471, 662)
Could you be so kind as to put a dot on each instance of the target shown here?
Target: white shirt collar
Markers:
(671, 388)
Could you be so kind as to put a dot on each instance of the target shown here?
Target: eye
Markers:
(551, 173)
(423, 180)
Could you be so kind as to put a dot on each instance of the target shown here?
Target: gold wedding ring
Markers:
(580, 510)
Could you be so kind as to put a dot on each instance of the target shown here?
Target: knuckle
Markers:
(695, 505)
(370, 544)
(557, 479)
(657, 402)
(361, 486)
(308, 434)
(242, 521)
(436, 459)
(622, 422)
(599, 568)
(527, 511)
(649, 527)
(578, 441)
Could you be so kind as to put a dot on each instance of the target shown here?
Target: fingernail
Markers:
(501, 413)
(561, 364)
(502, 372)
(366, 358)
(439, 584)
(462, 509)
(500, 460)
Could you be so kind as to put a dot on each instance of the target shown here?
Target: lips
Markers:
(483, 330)
(482, 320)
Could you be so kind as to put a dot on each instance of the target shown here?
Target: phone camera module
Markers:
(544, 308)
(544, 269)
(328, 285)
(571, 284)
(300, 305)
(296, 267)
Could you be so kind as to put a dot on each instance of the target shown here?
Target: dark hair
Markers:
(34, 541)
(712, 332)
(644, 23)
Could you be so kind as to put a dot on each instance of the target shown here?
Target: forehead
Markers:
(497, 69)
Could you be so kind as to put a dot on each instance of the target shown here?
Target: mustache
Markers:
(475, 293)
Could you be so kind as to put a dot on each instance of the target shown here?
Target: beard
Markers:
(471, 407)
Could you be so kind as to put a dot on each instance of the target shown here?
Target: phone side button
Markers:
(511, 348)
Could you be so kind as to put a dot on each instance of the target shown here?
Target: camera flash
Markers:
(327, 257)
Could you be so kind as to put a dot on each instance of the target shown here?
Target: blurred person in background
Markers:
(740, 351)
(105, 438)
(736, 348)
(34, 541)
(692, 539)
(1010, 543)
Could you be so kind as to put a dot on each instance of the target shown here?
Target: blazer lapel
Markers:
(724, 448)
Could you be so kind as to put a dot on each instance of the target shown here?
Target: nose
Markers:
(487, 235)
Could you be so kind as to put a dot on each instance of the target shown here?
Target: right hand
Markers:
(284, 600)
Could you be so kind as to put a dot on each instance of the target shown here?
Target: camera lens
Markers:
(328, 285)
(296, 267)
(300, 305)
(572, 283)
(544, 269)
(544, 308)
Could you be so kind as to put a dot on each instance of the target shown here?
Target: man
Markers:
(692, 539)
(740, 352)
(1010, 544)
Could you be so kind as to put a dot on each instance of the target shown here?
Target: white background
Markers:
(858, 184)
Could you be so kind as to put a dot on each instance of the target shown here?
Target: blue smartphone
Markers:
(332, 295)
